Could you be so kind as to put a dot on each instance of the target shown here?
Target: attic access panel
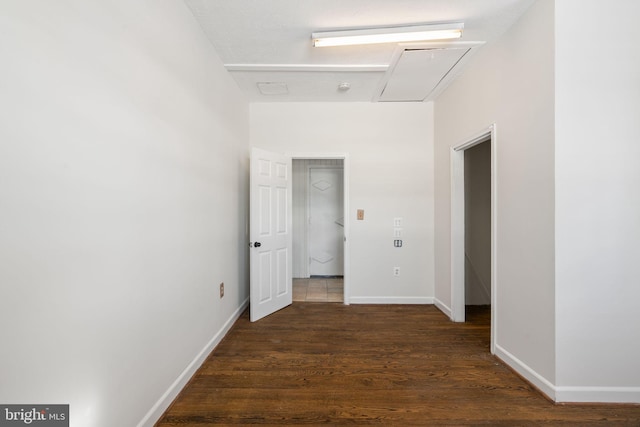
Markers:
(417, 72)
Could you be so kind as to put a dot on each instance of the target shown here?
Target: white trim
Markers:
(391, 300)
(494, 237)
(457, 226)
(442, 307)
(332, 68)
(172, 392)
(476, 139)
(457, 235)
(569, 394)
(598, 394)
(345, 182)
(541, 383)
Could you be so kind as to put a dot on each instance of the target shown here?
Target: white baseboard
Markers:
(168, 397)
(442, 307)
(526, 372)
(598, 394)
(391, 300)
(569, 394)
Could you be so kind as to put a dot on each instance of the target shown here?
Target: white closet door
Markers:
(326, 222)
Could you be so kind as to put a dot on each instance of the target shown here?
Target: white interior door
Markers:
(270, 231)
(326, 222)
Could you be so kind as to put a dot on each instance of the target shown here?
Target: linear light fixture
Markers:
(413, 33)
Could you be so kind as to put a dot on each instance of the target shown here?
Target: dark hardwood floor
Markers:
(391, 365)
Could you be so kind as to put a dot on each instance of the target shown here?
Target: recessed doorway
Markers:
(319, 229)
(474, 226)
(477, 225)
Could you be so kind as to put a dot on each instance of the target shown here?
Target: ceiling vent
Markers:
(418, 72)
(272, 88)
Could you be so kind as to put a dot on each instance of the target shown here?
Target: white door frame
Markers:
(345, 161)
(458, 228)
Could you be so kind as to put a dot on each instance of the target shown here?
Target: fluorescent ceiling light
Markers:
(414, 33)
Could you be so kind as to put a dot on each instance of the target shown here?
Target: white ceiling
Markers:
(269, 41)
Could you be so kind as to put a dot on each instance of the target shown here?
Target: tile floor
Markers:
(318, 290)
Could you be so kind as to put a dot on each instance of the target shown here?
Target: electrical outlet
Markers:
(221, 289)
(396, 271)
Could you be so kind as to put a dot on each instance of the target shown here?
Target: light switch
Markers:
(360, 214)
(397, 222)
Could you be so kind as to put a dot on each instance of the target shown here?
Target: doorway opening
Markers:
(477, 234)
(473, 230)
(319, 229)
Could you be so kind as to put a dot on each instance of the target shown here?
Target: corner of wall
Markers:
(158, 409)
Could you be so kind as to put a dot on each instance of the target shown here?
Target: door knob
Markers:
(257, 244)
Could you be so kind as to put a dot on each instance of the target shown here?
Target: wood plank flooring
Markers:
(398, 365)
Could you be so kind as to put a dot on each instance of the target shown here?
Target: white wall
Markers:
(390, 150)
(123, 203)
(597, 199)
(510, 83)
